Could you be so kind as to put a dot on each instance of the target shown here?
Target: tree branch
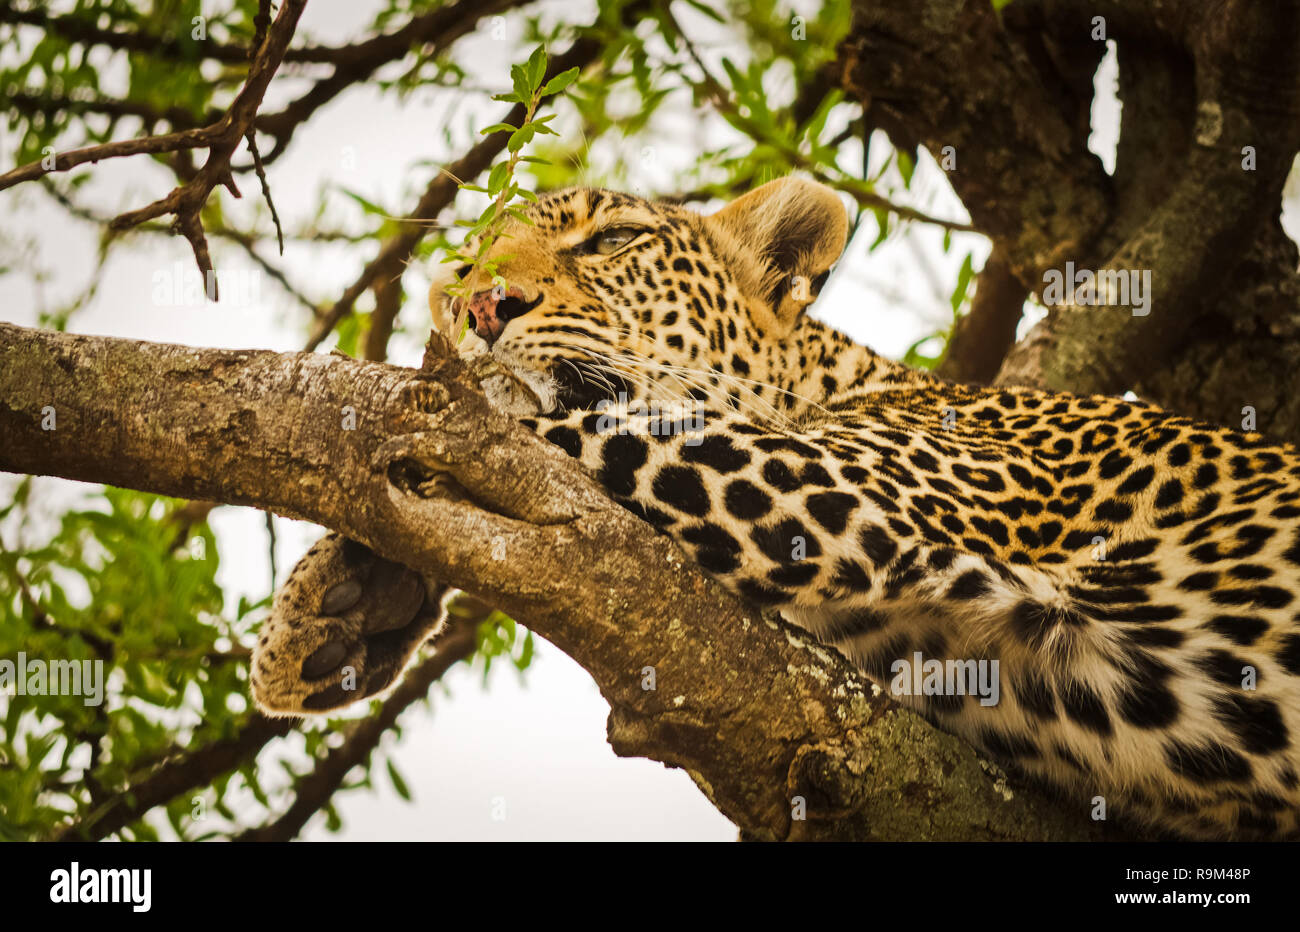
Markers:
(721, 100)
(432, 26)
(82, 30)
(220, 138)
(750, 707)
(437, 30)
(1202, 83)
(982, 338)
(192, 771)
(1198, 223)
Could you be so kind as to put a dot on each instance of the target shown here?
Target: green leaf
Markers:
(559, 82)
(520, 138)
(906, 166)
(738, 81)
(398, 783)
(526, 654)
(523, 91)
(716, 16)
(963, 284)
(498, 128)
(349, 333)
(367, 205)
(497, 180)
(915, 358)
(536, 68)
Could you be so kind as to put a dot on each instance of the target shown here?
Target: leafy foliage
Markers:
(120, 584)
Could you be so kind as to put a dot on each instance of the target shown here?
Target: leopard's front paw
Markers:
(342, 628)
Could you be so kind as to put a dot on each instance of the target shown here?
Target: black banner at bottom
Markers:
(337, 881)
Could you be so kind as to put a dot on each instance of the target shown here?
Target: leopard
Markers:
(1133, 572)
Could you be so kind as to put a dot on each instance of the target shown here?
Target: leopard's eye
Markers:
(608, 242)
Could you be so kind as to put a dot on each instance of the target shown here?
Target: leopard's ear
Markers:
(784, 236)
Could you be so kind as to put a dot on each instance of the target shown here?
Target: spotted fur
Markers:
(1134, 572)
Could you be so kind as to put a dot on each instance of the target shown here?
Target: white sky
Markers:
(540, 748)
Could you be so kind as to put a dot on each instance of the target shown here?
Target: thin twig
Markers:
(82, 30)
(245, 241)
(270, 537)
(188, 772)
(147, 145)
(433, 32)
(260, 23)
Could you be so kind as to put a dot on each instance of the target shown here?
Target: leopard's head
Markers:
(611, 294)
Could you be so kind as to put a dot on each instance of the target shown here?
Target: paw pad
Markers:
(323, 660)
(344, 609)
(341, 598)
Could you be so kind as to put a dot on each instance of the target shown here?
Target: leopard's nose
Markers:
(491, 309)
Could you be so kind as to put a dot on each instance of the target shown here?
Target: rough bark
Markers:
(1200, 81)
(432, 476)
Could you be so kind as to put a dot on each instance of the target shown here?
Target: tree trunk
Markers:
(1211, 125)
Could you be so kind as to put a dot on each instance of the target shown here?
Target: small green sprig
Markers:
(530, 89)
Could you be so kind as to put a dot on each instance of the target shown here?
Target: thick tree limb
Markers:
(1200, 82)
(754, 711)
(942, 74)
